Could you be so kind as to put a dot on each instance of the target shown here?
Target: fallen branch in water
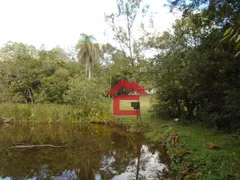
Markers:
(40, 145)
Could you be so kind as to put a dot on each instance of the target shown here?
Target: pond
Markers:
(83, 152)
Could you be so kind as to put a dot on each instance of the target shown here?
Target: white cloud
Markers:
(60, 22)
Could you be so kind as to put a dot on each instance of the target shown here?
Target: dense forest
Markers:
(195, 68)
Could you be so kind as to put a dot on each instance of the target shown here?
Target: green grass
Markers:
(52, 113)
(191, 159)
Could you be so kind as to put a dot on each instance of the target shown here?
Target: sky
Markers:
(60, 22)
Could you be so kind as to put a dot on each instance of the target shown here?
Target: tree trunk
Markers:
(30, 95)
(179, 108)
(86, 68)
(89, 70)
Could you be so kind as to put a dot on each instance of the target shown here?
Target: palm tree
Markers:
(87, 51)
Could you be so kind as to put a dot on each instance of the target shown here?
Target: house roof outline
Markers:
(128, 86)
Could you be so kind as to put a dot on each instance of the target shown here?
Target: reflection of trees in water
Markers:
(117, 158)
(86, 171)
(146, 166)
(102, 152)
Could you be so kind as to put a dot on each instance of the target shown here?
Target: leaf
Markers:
(238, 39)
(227, 31)
(225, 38)
(238, 46)
(237, 54)
(233, 37)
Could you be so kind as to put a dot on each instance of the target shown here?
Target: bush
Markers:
(82, 91)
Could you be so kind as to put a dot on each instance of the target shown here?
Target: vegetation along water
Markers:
(56, 119)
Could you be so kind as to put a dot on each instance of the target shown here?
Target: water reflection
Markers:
(101, 153)
(148, 166)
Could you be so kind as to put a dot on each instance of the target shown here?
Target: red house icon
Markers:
(116, 99)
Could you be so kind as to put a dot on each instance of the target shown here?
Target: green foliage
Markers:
(36, 76)
(85, 92)
(233, 35)
(13, 50)
(196, 74)
(118, 66)
(53, 87)
(20, 78)
(89, 94)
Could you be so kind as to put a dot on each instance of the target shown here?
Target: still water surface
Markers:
(101, 152)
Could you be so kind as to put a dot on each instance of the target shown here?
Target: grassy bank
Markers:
(52, 113)
(192, 158)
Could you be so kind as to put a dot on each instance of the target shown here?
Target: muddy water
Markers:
(99, 152)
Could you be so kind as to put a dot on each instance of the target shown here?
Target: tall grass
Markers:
(51, 113)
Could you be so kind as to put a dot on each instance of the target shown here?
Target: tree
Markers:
(224, 14)
(36, 76)
(116, 65)
(122, 25)
(12, 50)
(196, 75)
(123, 32)
(88, 52)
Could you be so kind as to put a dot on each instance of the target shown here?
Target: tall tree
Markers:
(224, 14)
(122, 25)
(196, 75)
(87, 51)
